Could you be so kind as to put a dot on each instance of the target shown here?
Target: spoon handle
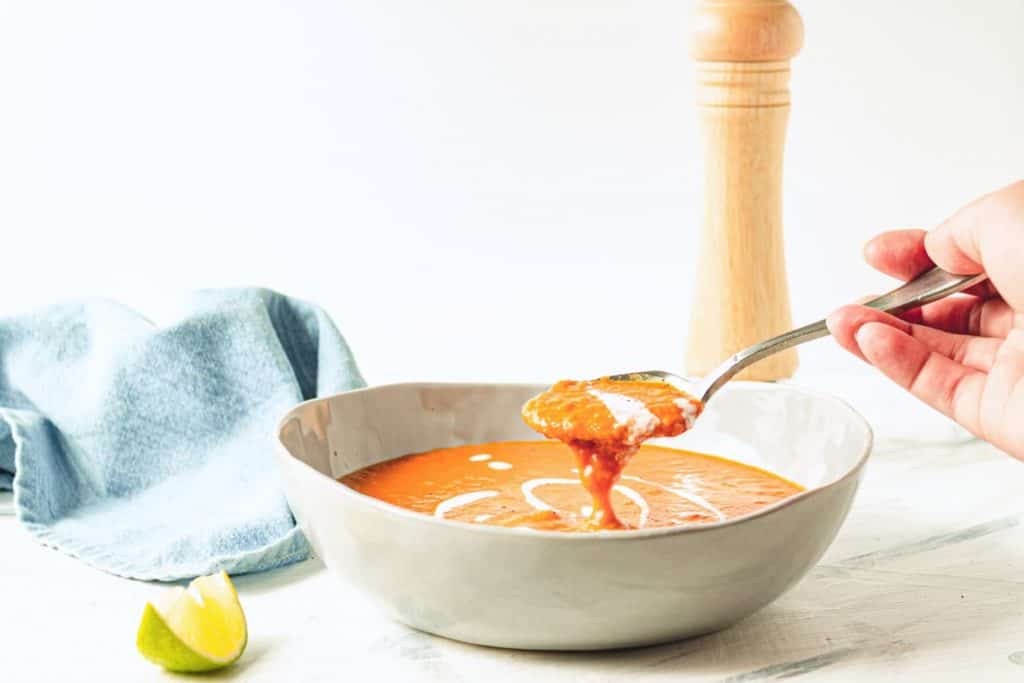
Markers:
(931, 285)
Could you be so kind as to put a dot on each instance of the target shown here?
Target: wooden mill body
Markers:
(741, 297)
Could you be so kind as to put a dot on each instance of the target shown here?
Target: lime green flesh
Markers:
(199, 629)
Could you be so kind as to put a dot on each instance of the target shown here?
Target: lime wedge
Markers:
(199, 628)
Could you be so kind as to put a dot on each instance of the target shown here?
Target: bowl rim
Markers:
(617, 535)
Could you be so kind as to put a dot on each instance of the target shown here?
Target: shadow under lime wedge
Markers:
(199, 628)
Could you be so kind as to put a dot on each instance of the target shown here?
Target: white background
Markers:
(468, 187)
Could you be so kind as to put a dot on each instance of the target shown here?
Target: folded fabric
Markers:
(146, 451)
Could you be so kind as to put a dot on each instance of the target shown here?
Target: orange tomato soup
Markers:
(536, 484)
(602, 425)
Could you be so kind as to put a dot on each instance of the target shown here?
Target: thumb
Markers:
(986, 236)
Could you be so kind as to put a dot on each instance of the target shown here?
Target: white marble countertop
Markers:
(926, 579)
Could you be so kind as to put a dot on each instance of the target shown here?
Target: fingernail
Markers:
(831, 320)
(835, 319)
(867, 248)
(862, 335)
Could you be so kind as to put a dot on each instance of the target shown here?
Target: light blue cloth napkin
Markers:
(148, 452)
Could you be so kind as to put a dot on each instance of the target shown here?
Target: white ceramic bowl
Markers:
(521, 588)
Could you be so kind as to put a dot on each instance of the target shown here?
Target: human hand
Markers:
(963, 355)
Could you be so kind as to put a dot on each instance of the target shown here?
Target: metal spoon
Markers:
(931, 285)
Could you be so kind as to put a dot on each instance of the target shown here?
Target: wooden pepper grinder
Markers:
(742, 48)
